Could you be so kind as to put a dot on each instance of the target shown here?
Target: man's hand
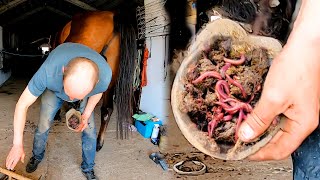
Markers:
(84, 123)
(92, 102)
(16, 154)
(292, 87)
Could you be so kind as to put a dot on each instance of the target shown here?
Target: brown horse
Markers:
(113, 37)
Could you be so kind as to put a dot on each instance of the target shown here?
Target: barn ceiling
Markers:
(47, 16)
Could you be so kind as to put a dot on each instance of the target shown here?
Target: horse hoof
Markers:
(58, 118)
(99, 146)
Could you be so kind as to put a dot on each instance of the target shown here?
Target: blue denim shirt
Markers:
(50, 75)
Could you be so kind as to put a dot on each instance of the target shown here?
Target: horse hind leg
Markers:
(106, 111)
(57, 117)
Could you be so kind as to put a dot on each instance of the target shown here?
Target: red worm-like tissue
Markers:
(227, 107)
(205, 75)
(235, 62)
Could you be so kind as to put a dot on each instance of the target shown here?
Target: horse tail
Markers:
(124, 25)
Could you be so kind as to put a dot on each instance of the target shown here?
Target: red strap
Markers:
(144, 68)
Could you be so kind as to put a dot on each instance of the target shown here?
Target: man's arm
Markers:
(91, 104)
(291, 88)
(307, 24)
(17, 152)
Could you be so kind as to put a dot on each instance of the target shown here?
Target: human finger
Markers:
(269, 106)
(8, 161)
(293, 134)
(79, 128)
(22, 157)
(258, 156)
(10, 158)
(85, 125)
(14, 163)
(10, 164)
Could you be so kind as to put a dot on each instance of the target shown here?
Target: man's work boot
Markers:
(32, 165)
(90, 175)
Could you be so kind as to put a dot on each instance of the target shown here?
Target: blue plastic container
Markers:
(145, 127)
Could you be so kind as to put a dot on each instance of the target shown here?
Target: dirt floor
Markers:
(179, 149)
(118, 159)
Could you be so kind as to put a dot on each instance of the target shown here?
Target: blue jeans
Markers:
(306, 159)
(50, 104)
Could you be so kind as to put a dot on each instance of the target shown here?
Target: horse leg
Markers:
(106, 111)
(57, 116)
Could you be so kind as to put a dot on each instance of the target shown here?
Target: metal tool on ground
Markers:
(159, 159)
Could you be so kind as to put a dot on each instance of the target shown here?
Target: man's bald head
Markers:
(79, 77)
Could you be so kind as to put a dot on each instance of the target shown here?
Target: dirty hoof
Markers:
(73, 122)
(57, 117)
(215, 88)
(99, 146)
(73, 119)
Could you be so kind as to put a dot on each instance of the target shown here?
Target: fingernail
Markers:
(246, 132)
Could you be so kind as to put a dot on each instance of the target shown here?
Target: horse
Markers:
(259, 17)
(111, 35)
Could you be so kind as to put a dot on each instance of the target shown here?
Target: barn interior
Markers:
(28, 29)
(28, 25)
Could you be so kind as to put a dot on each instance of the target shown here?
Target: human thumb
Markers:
(22, 157)
(258, 121)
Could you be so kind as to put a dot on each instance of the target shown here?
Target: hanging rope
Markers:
(165, 61)
(137, 81)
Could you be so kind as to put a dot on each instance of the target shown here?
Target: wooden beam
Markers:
(100, 2)
(11, 5)
(108, 4)
(57, 11)
(82, 5)
(25, 15)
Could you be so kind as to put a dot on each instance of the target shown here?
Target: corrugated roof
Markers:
(25, 16)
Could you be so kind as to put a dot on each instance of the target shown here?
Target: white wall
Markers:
(3, 76)
(155, 96)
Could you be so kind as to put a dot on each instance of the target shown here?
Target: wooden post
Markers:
(12, 174)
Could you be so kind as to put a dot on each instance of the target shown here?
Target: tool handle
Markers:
(12, 174)
(163, 165)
